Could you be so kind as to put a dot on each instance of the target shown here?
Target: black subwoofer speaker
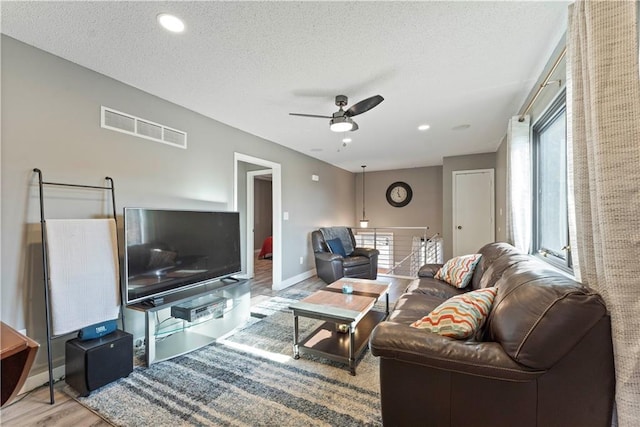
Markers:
(92, 364)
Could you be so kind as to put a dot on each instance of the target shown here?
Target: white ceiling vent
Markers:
(126, 123)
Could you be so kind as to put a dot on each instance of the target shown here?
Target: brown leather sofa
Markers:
(362, 263)
(544, 357)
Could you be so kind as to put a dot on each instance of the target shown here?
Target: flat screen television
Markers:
(171, 250)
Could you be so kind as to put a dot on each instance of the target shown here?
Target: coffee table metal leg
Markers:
(296, 349)
(387, 303)
(352, 359)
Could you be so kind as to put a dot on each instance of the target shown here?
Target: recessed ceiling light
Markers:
(347, 140)
(171, 23)
(423, 127)
(461, 127)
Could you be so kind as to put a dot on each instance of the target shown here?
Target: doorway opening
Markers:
(260, 220)
(246, 169)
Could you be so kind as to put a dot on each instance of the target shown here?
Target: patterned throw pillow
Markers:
(458, 270)
(459, 317)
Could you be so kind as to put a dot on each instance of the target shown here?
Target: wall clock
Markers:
(399, 194)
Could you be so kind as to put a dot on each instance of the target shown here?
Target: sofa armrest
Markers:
(419, 347)
(429, 270)
(366, 252)
(328, 257)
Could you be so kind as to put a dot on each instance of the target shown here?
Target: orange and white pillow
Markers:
(461, 316)
(458, 270)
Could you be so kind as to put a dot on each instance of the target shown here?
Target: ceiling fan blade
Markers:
(310, 115)
(363, 106)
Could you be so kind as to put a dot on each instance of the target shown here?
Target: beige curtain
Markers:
(603, 106)
(519, 183)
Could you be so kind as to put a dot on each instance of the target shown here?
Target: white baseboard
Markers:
(42, 378)
(293, 280)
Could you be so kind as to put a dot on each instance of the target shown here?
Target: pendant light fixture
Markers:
(364, 223)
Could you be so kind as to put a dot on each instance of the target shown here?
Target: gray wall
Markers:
(51, 120)
(547, 95)
(425, 208)
(501, 192)
(449, 165)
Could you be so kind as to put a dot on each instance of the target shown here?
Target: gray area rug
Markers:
(247, 379)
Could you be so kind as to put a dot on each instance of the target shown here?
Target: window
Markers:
(550, 223)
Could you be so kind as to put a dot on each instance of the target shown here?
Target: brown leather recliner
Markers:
(544, 357)
(361, 263)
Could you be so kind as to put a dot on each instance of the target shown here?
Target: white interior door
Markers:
(473, 210)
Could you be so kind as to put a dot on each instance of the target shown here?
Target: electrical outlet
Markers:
(301, 260)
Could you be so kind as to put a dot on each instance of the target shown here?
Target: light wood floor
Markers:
(33, 409)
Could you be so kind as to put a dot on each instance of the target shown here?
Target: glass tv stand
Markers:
(193, 318)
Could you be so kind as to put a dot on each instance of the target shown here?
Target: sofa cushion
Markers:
(352, 261)
(435, 287)
(459, 317)
(335, 246)
(494, 272)
(539, 314)
(410, 307)
(458, 270)
(490, 252)
(429, 270)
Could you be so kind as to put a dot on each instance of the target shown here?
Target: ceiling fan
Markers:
(341, 120)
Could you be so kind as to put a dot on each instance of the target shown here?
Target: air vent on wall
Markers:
(143, 128)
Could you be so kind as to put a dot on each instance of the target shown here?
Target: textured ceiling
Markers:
(248, 64)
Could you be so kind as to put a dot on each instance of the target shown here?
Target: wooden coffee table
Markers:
(364, 287)
(337, 308)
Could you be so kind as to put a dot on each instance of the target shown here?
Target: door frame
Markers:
(454, 207)
(276, 172)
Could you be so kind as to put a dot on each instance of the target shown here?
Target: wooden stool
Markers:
(17, 354)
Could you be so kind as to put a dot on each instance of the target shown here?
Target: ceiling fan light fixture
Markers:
(341, 121)
(341, 124)
(170, 22)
